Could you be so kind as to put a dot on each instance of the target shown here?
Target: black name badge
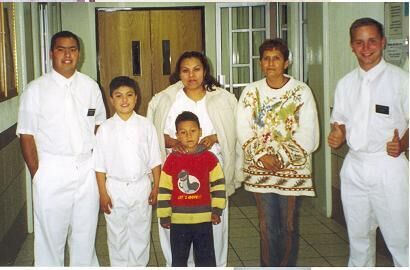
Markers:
(382, 109)
(91, 112)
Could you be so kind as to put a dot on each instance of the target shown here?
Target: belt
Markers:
(367, 156)
(126, 180)
(76, 158)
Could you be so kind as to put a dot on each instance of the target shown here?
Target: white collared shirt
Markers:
(389, 86)
(184, 103)
(127, 149)
(42, 111)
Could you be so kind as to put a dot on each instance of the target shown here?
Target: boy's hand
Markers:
(166, 225)
(209, 141)
(152, 199)
(215, 219)
(105, 203)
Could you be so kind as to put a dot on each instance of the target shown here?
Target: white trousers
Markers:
(220, 234)
(375, 193)
(65, 200)
(129, 223)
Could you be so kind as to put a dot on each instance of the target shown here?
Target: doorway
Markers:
(145, 44)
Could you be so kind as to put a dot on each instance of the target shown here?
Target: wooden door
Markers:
(116, 33)
(145, 45)
(183, 30)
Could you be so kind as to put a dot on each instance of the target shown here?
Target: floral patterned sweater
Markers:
(281, 122)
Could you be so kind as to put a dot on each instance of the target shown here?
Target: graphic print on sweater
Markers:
(187, 184)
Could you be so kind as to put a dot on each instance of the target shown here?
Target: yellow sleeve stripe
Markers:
(218, 202)
(164, 212)
(164, 196)
(165, 181)
(216, 173)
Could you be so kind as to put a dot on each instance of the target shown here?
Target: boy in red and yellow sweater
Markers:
(191, 195)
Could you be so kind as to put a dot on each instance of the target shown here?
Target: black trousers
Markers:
(182, 235)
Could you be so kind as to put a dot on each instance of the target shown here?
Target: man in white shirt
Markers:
(58, 115)
(371, 114)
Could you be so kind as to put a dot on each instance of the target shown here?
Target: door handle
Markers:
(166, 57)
(221, 80)
(136, 57)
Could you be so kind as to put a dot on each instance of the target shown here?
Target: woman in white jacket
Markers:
(195, 90)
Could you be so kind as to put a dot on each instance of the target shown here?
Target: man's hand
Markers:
(209, 141)
(215, 219)
(152, 199)
(337, 135)
(178, 147)
(29, 151)
(271, 163)
(393, 148)
(105, 203)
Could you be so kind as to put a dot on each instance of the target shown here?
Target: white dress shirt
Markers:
(43, 113)
(127, 150)
(184, 103)
(388, 107)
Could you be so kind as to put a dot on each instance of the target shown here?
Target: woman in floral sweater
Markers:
(278, 129)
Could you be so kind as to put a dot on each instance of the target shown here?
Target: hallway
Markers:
(322, 241)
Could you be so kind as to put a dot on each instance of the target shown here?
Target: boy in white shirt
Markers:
(127, 152)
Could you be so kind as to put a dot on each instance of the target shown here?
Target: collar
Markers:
(289, 82)
(60, 79)
(181, 94)
(374, 72)
(119, 120)
(199, 149)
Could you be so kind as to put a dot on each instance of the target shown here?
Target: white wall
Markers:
(340, 17)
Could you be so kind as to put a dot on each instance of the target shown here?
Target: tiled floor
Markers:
(322, 241)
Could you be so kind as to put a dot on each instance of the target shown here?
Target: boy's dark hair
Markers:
(209, 81)
(64, 34)
(120, 81)
(276, 43)
(366, 22)
(186, 116)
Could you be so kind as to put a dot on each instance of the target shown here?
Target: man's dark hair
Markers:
(120, 81)
(366, 22)
(64, 34)
(209, 81)
(276, 43)
(186, 116)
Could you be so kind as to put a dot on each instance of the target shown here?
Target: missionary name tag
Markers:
(91, 112)
(382, 109)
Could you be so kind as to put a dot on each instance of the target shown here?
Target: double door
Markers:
(145, 45)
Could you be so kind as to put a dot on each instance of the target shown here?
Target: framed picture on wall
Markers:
(8, 61)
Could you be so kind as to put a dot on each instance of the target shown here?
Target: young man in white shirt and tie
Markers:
(371, 114)
(58, 115)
